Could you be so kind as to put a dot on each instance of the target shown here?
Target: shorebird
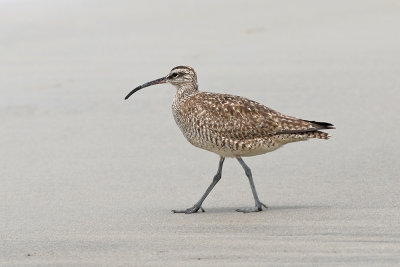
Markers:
(231, 126)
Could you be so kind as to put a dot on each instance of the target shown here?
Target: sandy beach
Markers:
(89, 179)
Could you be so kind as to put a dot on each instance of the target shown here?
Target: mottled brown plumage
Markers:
(231, 126)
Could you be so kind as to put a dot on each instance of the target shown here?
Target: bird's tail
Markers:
(312, 132)
(321, 125)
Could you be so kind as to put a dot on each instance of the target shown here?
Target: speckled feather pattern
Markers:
(233, 126)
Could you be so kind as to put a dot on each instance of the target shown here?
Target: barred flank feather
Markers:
(319, 135)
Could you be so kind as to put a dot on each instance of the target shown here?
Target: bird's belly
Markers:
(228, 147)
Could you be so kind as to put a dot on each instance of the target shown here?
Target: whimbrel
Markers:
(231, 126)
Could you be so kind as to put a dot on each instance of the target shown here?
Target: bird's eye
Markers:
(174, 75)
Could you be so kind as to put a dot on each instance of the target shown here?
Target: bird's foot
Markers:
(258, 207)
(193, 209)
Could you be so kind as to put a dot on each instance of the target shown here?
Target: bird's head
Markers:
(182, 77)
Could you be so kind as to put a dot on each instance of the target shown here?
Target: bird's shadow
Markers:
(270, 208)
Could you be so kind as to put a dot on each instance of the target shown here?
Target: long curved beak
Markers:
(158, 81)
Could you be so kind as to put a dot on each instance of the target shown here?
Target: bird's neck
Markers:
(185, 91)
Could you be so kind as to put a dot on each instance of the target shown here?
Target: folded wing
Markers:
(239, 118)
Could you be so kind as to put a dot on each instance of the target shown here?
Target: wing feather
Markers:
(239, 118)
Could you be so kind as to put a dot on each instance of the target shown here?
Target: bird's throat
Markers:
(186, 91)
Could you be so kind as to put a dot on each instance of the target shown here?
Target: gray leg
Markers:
(197, 206)
(259, 205)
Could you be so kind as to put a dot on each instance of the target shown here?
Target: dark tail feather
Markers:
(321, 125)
(312, 132)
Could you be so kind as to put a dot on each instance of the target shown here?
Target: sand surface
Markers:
(88, 179)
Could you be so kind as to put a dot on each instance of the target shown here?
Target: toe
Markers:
(193, 209)
(247, 210)
(257, 208)
(179, 211)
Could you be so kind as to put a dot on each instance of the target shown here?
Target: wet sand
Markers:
(88, 179)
